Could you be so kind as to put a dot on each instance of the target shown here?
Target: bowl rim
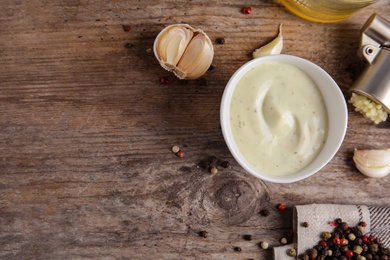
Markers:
(336, 109)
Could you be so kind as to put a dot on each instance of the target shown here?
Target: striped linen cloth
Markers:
(318, 217)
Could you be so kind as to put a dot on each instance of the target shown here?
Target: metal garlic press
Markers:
(374, 81)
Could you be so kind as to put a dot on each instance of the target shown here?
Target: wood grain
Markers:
(86, 170)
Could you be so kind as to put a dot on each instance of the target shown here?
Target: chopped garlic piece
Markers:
(368, 108)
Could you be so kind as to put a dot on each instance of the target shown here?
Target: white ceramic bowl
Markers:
(336, 109)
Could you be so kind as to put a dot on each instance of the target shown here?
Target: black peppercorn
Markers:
(264, 212)
(344, 226)
(305, 224)
(221, 40)
(204, 234)
(305, 257)
(313, 253)
(225, 164)
(248, 237)
(238, 249)
(129, 45)
(213, 159)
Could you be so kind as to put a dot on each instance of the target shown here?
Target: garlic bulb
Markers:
(185, 51)
(372, 163)
(274, 47)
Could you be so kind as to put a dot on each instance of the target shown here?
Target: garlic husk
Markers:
(274, 47)
(185, 51)
(372, 163)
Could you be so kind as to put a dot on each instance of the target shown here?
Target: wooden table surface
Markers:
(86, 130)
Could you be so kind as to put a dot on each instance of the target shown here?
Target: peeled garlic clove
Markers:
(372, 163)
(274, 47)
(185, 51)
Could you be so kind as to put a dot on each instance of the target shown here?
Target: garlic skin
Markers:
(274, 47)
(372, 163)
(185, 51)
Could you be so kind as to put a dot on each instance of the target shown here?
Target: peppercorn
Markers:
(221, 40)
(305, 257)
(357, 249)
(337, 253)
(365, 248)
(281, 206)
(180, 154)
(336, 241)
(326, 235)
(175, 149)
(313, 253)
(351, 236)
(305, 224)
(129, 45)
(344, 249)
(378, 240)
(363, 224)
(247, 237)
(374, 248)
(349, 253)
(264, 245)
(264, 212)
(164, 80)
(283, 240)
(344, 226)
(127, 28)
(323, 243)
(225, 164)
(213, 159)
(343, 241)
(247, 10)
(204, 234)
(238, 249)
(204, 164)
(213, 170)
(292, 252)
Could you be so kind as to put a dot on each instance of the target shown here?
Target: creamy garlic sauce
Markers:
(279, 118)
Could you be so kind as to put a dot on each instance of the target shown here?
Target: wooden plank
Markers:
(86, 169)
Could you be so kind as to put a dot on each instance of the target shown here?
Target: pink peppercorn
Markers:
(127, 28)
(247, 10)
(336, 241)
(349, 254)
(281, 206)
(164, 80)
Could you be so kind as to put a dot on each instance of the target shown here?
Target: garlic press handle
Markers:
(375, 35)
